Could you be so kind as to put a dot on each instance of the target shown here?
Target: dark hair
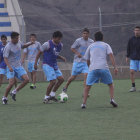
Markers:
(85, 30)
(14, 34)
(57, 34)
(34, 35)
(138, 27)
(98, 36)
(4, 36)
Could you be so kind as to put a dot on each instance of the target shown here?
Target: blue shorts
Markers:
(2, 71)
(50, 73)
(135, 65)
(102, 75)
(79, 67)
(17, 72)
(31, 66)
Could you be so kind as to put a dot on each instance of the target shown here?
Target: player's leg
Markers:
(59, 82)
(51, 77)
(22, 75)
(86, 93)
(9, 87)
(33, 75)
(75, 71)
(25, 81)
(133, 68)
(106, 78)
(111, 91)
(70, 79)
(34, 78)
(2, 73)
(1, 79)
(92, 78)
(132, 77)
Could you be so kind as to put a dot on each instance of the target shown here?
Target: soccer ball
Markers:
(63, 97)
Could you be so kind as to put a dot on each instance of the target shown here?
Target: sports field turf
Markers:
(29, 119)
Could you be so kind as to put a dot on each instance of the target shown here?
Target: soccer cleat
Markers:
(4, 101)
(47, 100)
(32, 86)
(53, 98)
(114, 104)
(13, 94)
(64, 90)
(83, 106)
(133, 89)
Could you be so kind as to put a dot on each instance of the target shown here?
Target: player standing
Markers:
(31, 53)
(2, 63)
(79, 48)
(98, 68)
(12, 58)
(51, 50)
(133, 53)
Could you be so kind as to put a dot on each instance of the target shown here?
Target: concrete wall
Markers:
(66, 70)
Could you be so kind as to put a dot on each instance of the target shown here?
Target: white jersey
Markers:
(81, 46)
(97, 53)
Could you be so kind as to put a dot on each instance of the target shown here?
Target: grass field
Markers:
(29, 119)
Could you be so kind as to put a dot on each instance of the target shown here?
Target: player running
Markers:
(98, 68)
(12, 58)
(31, 53)
(79, 48)
(51, 50)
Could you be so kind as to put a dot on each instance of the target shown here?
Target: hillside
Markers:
(45, 16)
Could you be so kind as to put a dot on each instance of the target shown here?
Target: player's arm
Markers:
(88, 62)
(113, 62)
(74, 48)
(27, 45)
(76, 52)
(61, 57)
(128, 51)
(8, 65)
(36, 59)
(23, 57)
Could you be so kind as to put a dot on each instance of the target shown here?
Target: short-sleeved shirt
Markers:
(50, 53)
(81, 46)
(2, 62)
(13, 53)
(97, 54)
(32, 51)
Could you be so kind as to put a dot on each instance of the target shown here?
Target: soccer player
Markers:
(31, 53)
(133, 53)
(98, 68)
(79, 48)
(51, 50)
(2, 63)
(12, 58)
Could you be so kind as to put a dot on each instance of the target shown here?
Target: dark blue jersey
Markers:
(2, 62)
(50, 55)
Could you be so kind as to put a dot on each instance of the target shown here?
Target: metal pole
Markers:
(100, 19)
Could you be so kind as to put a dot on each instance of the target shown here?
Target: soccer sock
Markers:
(14, 91)
(133, 84)
(4, 98)
(46, 97)
(52, 94)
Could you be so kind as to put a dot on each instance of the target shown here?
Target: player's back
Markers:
(98, 52)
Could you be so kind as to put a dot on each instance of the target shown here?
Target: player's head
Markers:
(4, 39)
(137, 31)
(14, 37)
(57, 37)
(85, 33)
(98, 36)
(33, 37)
